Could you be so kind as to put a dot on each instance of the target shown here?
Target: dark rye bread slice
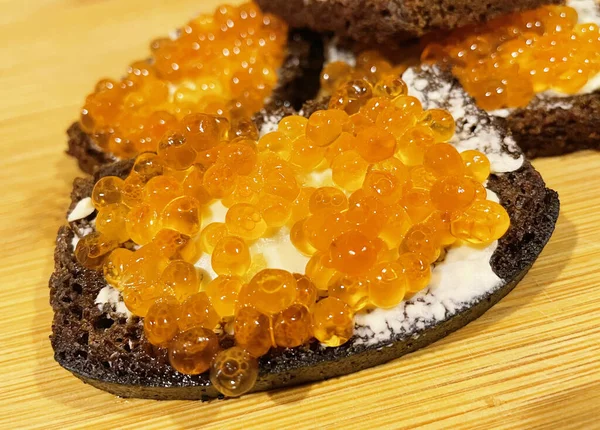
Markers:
(391, 20)
(551, 126)
(109, 351)
(105, 349)
(298, 81)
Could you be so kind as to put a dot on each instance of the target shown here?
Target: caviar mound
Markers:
(545, 65)
(384, 21)
(298, 80)
(412, 196)
(504, 62)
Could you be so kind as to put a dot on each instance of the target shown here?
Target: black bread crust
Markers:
(298, 81)
(110, 352)
(551, 126)
(385, 21)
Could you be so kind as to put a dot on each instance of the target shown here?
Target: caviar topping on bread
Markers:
(297, 255)
(539, 69)
(228, 63)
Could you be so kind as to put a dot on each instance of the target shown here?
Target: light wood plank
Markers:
(531, 362)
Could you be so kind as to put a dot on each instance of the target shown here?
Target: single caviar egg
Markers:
(417, 203)
(319, 270)
(293, 326)
(453, 193)
(477, 164)
(91, 250)
(444, 160)
(107, 191)
(349, 170)
(306, 154)
(197, 311)
(383, 185)
(183, 215)
(182, 278)
(201, 131)
(192, 351)
(484, 222)
(219, 180)
(281, 181)
(160, 323)
(170, 243)
(238, 156)
(440, 122)
(211, 234)
(234, 371)
(142, 223)
(160, 190)
(422, 239)
(352, 253)
(230, 256)
(413, 144)
(351, 290)
(277, 142)
(374, 144)
(252, 331)
(387, 284)
(114, 266)
(293, 126)
(132, 192)
(111, 222)
(223, 294)
(325, 126)
(139, 299)
(333, 321)
(245, 220)
(390, 86)
(306, 290)
(175, 151)
(272, 290)
(416, 270)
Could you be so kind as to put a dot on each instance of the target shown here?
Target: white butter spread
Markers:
(82, 209)
(111, 296)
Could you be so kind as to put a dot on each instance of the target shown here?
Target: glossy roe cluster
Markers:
(224, 64)
(505, 61)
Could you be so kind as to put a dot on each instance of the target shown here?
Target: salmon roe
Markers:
(383, 211)
(224, 63)
(506, 61)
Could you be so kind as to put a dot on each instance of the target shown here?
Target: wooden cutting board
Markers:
(530, 362)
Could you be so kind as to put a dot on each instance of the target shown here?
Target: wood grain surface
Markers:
(530, 362)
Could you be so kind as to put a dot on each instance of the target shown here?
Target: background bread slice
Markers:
(551, 126)
(298, 81)
(371, 21)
